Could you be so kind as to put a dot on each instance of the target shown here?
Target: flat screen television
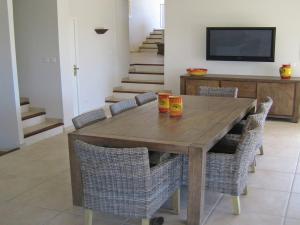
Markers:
(241, 44)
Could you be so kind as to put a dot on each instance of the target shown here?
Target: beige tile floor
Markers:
(35, 187)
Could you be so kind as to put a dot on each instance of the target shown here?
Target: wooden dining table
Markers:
(205, 121)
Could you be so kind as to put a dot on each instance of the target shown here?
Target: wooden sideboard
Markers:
(285, 93)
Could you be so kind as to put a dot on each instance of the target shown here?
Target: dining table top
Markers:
(204, 122)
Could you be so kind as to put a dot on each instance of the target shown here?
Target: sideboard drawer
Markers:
(192, 86)
(246, 89)
(282, 94)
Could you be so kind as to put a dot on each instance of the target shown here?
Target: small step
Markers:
(157, 31)
(44, 127)
(128, 80)
(125, 93)
(137, 91)
(147, 64)
(143, 49)
(153, 40)
(142, 84)
(145, 76)
(33, 117)
(144, 69)
(113, 99)
(149, 73)
(148, 47)
(32, 113)
(24, 101)
(156, 35)
(149, 44)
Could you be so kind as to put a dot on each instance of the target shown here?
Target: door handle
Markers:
(75, 69)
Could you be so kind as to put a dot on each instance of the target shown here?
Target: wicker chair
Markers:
(227, 172)
(88, 118)
(218, 91)
(264, 109)
(122, 106)
(121, 182)
(145, 98)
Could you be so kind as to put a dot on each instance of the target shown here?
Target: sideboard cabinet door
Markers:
(283, 95)
(192, 86)
(247, 89)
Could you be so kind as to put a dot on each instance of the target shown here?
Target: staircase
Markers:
(36, 126)
(146, 72)
(149, 45)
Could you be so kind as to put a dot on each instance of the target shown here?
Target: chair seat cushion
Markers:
(226, 146)
(156, 158)
(238, 128)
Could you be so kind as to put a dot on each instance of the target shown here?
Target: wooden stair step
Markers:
(127, 80)
(146, 64)
(42, 127)
(113, 99)
(148, 43)
(154, 48)
(137, 91)
(154, 38)
(148, 73)
(155, 34)
(24, 101)
(33, 112)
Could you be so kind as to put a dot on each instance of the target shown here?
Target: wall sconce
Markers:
(101, 30)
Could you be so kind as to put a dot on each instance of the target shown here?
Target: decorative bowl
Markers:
(197, 71)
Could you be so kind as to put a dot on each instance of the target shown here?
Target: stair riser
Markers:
(157, 32)
(147, 68)
(142, 86)
(25, 108)
(149, 45)
(146, 77)
(148, 50)
(150, 41)
(124, 95)
(33, 121)
(44, 135)
(154, 40)
(156, 36)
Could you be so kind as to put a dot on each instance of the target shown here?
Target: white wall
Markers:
(145, 16)
(185, 38)
(10, 132)
(36, 30)
(103, 59)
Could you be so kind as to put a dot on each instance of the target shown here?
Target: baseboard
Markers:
(69, 129)
(2, 153)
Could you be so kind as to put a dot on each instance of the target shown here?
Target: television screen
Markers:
(241, 44)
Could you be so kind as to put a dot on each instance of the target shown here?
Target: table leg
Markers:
(196, 187)
(75, 174)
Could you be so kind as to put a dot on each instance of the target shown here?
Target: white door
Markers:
(76, 69)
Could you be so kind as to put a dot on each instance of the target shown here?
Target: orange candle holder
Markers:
(163, 102)
(176, 106)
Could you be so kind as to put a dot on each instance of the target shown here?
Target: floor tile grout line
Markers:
(291, 193)
(272, 190)
(213, 209)
(34, 187)
(49, 220)
(277, 171)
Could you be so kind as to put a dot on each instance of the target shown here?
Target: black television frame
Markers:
(241, 58)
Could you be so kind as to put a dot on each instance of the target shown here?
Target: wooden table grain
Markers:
(204, 122)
